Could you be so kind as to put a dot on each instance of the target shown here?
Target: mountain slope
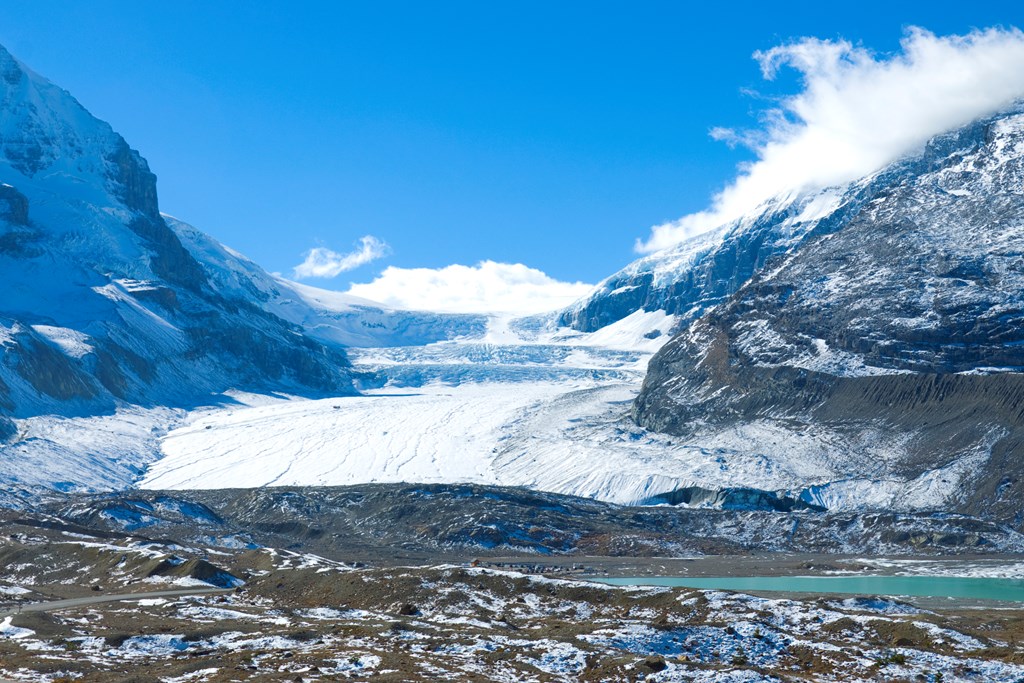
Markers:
(687, 279)
(102, 303)
(707, 269)
(898, 333)
(331, 317)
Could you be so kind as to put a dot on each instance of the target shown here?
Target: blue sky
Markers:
(549, 134)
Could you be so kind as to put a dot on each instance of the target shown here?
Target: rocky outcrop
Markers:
(135, 184)
(47, 370)
(169, 260)
(731, 499)
(13, 206)
(7, 429)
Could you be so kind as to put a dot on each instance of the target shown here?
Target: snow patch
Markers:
(14, 632)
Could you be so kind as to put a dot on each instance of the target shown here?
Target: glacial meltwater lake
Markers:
(917, 586)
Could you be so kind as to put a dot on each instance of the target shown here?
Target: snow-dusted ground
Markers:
(542, 628)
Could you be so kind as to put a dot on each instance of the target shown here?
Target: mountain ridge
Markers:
(687, 279)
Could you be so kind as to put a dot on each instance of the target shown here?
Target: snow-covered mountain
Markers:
(889, 345)
(688, 279)
(102, 304)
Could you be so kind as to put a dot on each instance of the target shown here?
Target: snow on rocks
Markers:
(13, 632)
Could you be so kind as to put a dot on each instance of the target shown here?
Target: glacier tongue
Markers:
(452, 411)
(547, 409)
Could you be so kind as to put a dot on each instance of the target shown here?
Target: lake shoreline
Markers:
(1001, 565)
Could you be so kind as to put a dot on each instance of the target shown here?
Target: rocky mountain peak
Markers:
(10, 69)
(48, 136)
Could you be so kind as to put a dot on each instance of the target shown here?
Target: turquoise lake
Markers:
(917, 586)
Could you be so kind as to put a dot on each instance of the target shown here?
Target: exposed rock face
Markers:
(688, 279)
(47, 370)
(13, 206)
(7, 429)
(902, 323)
(135, 184)
(102, 301)
(732, 499)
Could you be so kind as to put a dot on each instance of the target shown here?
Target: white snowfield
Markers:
(468, 428)
(434, 434)
(560, 423)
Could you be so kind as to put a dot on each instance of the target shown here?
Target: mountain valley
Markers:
(327, 487)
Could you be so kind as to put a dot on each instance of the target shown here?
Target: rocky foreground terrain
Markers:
(418, 523)
(415, 583)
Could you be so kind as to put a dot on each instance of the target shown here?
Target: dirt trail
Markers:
(70, 603)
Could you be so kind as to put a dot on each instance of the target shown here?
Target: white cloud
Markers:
(858, 112)
(322, 262)
(488, 287)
